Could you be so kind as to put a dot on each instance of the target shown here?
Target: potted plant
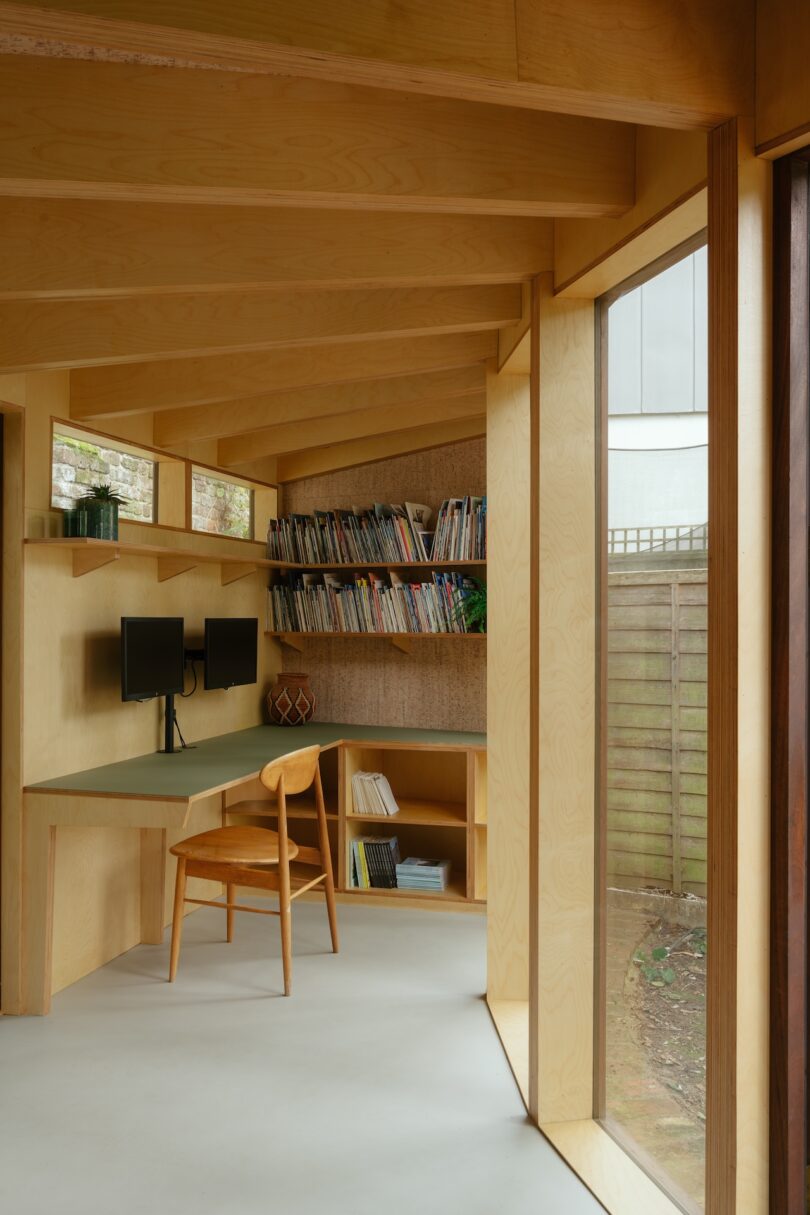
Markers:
(102, 506)
(473, 609)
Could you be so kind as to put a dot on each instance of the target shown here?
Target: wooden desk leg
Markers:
(153, 884)
(38, 861)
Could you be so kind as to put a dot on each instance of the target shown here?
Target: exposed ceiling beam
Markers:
(98, 392)
(680, 63)
(251, 414)
(37, 335)
(109, 130)
(66, 248)
(341, 428)
(378, 447)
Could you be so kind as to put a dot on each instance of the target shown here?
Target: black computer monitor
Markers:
(231, 651)
(152, 656)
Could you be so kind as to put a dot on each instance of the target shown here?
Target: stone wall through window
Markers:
(79, 464)
(221, 506)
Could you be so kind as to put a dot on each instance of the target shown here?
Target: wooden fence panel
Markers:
(656, 729)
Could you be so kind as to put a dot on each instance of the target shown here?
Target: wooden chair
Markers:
(259, 857)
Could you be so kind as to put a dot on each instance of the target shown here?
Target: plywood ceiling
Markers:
(308, 253)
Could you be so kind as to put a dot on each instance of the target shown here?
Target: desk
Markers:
(156, 793)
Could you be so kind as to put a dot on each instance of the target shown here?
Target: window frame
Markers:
(225, 478)
(603, 305)
(173, 485)
(70, 430)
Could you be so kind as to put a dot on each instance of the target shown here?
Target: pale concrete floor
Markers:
(379, 1086)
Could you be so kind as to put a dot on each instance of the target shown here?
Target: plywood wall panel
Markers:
(508, 686)
(590, 256)
(73, 714)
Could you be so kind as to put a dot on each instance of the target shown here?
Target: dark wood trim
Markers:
(790, 606)
(723, 717)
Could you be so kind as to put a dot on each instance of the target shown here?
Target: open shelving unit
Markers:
(441, 793)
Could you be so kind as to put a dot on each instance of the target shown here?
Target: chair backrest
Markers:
(298, 770)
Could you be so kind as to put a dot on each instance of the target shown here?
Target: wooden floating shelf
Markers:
(385, 565)
(418, 813)
(401, 641)
(456, 891)
(90, 554)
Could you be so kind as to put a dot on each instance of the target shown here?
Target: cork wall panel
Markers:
(441, 684)
(421, 476)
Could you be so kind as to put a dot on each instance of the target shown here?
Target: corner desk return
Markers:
(157, 793)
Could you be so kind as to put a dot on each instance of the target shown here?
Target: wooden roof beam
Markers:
(99, 392)
(73, 129)
(77, 248)
(342, 427)
(377, 447)
(38, 335)
(251, 414)
(677, 63)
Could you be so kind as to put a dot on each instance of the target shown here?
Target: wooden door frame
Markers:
(790, 606)
(11, 670)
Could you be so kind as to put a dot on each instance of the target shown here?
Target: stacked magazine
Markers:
(372, 794)
(374, 862)
(421, 873)
(324, 603)
(385, 534)
(461, 530)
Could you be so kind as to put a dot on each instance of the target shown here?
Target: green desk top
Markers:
(218, 762)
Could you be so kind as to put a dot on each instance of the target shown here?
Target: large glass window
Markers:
(652, 1077)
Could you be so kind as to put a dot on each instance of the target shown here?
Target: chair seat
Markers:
(234, 846)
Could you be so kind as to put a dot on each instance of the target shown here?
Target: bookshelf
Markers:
(95, 553)
(441, 792)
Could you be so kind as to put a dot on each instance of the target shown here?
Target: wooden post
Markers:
(677, 876)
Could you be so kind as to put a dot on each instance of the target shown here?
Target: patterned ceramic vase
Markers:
(290, 701)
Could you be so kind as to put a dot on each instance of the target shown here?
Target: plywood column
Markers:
(564, 712)
(739, 673)
(508, 685)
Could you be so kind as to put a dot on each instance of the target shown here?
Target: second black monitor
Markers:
(231, 651)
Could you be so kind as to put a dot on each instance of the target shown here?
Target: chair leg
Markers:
(177, 918)
(285, 918)
(331, 909)
(230, 893)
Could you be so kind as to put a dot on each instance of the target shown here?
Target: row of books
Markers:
(461, 530)
(376, 865)
(372, 794)
(375, 862)
(384, 533)
(322, 603)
